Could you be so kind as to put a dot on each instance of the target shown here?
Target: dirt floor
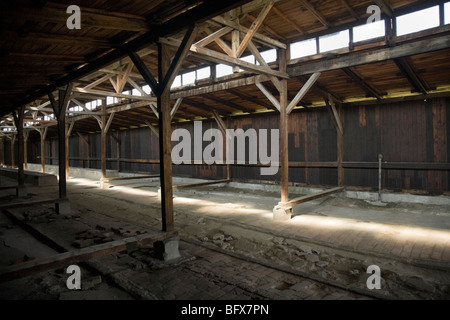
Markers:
(225, 234)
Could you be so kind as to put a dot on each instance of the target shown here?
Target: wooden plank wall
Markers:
(415, 131)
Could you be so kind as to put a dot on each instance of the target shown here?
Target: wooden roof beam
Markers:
(251, 99)
(293, 23)
(257, 36)
(362, 83)
(314, 11)
(226, 103)
(399, 51)
(99, 19)
(321, 90)
(417, 82)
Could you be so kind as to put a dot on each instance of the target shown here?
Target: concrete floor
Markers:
(333, 239)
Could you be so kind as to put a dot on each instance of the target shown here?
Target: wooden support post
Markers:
(66, 141)
(25, 148)
(13, 140)
(2, 151)
(167, 71)
(340, 157)
(103, 128)
(284, 155)
(336, 119)
(60, 113)
(165, 143)
(43, 135)
(18, 119)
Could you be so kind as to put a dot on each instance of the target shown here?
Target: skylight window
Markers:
(418, 21)
(176, 82)
(109, 100)
(334, 41)
(223, 70)
(249, 59)
(203, 73)
(147, 89)
(136, 92)
(188, 78)
(303, 48)
(447, 13)
(269, 55)
(369, 31)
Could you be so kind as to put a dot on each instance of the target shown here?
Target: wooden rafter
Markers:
(226, 103)
(314, 11)
(303, 91)
(112, 94)
(283, 16)
(269, 95)
(259, 37)
(362, 83)
(254, 28)
(417, 82)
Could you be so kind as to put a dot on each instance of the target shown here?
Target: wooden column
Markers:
(103, 128)
(43, 134)
(2, 151)
(165, 144)
(168, 68)
(340, 157)
(66, 141)
(284, 155)
(60, 113)
(13, 140)
(18, 119)
(336, 119)
(25, 148)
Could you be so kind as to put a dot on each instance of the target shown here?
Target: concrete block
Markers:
(282, 213)
(21, 191)
(63, 207)
(167, 249)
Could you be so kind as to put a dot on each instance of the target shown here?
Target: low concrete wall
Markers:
(94, 174)
(31, 177)
(361, 195)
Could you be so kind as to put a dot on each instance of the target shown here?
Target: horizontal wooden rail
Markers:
(24, 204)
(76, 256)
(130, 178)
(310, 197)
(200, 184)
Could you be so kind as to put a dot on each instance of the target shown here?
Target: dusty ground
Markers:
(237, 222)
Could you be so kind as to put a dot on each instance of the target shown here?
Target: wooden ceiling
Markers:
(37, 51)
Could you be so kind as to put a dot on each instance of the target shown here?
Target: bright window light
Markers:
(249, 59)
(369, 31)
(136, 92)
(188, 78)
(334, 41)
(447, 13)
(269, 55)
(303, 48)
(203, 73)
(147, 89)
(88, 106)
(176, 82)
(418, 21)
(223, 70)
